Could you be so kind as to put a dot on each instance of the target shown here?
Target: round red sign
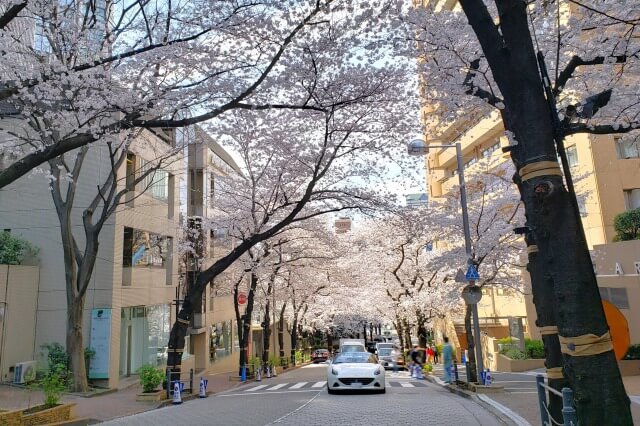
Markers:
(242, 298)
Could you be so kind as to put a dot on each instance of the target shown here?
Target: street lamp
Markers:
(418, 147)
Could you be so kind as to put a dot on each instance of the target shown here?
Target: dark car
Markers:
(319, 355)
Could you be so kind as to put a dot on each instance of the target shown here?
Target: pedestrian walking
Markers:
(429, 353)
(447, 359)
(395, 354)
(435, 354)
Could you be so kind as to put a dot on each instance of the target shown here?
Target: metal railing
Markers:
(176, 376)
(569, 416)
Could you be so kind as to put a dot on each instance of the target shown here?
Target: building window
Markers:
(471, 162)
(146, 249)
(572, 155)
(627, 147)
(617, 296)
(156, 183)
(220, 341)
(40, 41)
(487, 152)
(632, 198)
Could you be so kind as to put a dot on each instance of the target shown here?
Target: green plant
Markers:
(57, 358)
(633, 352)
(14, 250)
(505, 340)
(534, 349)
(514, 353)
(150, 377)
(53, 384)
(627, 225)
(427, 368)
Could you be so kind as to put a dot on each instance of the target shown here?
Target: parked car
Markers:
(386, 358)
(352, 345)
(319, 355)
(355, 371)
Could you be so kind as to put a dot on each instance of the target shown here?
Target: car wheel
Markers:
(331, 391)
(383, 390)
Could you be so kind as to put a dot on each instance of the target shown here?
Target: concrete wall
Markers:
(18, 303)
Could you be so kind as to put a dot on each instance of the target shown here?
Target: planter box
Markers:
(629, 367)
(59, 413)
(515, 365)
(158, 395)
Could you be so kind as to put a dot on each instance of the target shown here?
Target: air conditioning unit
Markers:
(25, 372)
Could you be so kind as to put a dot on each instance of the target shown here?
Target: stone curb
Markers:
(472, 396)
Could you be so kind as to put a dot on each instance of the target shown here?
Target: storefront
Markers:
(144, 337)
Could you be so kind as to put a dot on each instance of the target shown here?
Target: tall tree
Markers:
(593, 59)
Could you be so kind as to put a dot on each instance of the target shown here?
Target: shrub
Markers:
(58, 359)
(150, 377)
(427, 368)
(627, 225)
(633, 352)
(13, 250)
(514, 353)
(505, 340)
(53, 384)
(534, 349)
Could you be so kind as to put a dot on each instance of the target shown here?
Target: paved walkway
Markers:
(520, 400)
(106, 406)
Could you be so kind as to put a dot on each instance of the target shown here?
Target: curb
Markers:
(504, 417)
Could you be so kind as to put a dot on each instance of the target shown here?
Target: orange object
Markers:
(618, 327)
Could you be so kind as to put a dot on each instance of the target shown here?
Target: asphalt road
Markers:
(299, 397)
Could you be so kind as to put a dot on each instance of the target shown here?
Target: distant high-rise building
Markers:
(343, 225)
(416, 199)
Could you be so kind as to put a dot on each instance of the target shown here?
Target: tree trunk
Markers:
(266, 334)
(471, 346)
(422, 330)
(542, 288)
(407, 333)
(599, 392)
(294, 339)
(400, 330)
(75, 345)
(281, 331)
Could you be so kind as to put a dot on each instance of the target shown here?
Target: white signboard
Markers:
(100, 343)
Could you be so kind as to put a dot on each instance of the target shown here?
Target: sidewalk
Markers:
(109, 405)
(522, 407)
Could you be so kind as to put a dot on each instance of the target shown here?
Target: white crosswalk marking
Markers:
(298, 385)
(256, 388)
(319, 384)
(281, 385)
(407, 385)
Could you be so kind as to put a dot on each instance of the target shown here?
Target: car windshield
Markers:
(354, 357)
(384, 351)
(352, 348)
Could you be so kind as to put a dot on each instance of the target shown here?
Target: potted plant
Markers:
(150, 378)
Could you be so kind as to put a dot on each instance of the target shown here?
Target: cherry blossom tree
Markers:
(587, 56)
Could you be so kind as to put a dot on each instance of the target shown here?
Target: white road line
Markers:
(319, 384)
(256, 388)
(525, 392)
(517, 381)
(521, 389)
(281, 385)
(270, 392)
(298, 385)
(504, 410)
(407, 385)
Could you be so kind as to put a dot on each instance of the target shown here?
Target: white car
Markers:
(355, 371)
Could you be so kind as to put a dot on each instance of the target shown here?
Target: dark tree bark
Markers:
(266, 335)
(407, 333)
(599, 392)
(421, 320)
(281, 330)
(471, 346)
(400, 330)
(542, 288)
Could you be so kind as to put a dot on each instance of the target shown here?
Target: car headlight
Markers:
(378, 371)
(334, 371)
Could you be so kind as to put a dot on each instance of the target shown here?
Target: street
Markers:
(299, 397)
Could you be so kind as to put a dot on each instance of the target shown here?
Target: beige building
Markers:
(128, 302)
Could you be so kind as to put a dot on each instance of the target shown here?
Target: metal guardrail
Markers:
(569, 415)
(176, 376)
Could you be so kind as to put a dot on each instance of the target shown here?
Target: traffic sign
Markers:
(460, 278)
(242, 298)
(472, 274)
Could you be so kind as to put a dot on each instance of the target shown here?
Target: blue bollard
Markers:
(542, 399)
(243, 374)
(568, 412)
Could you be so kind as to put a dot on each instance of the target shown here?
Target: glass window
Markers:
(220, 341)
(156, 183)
(487, 152)
(632, 198)
(40, 40)
(627, 147)
(572, 155)
(142, 248)
(617, 296)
